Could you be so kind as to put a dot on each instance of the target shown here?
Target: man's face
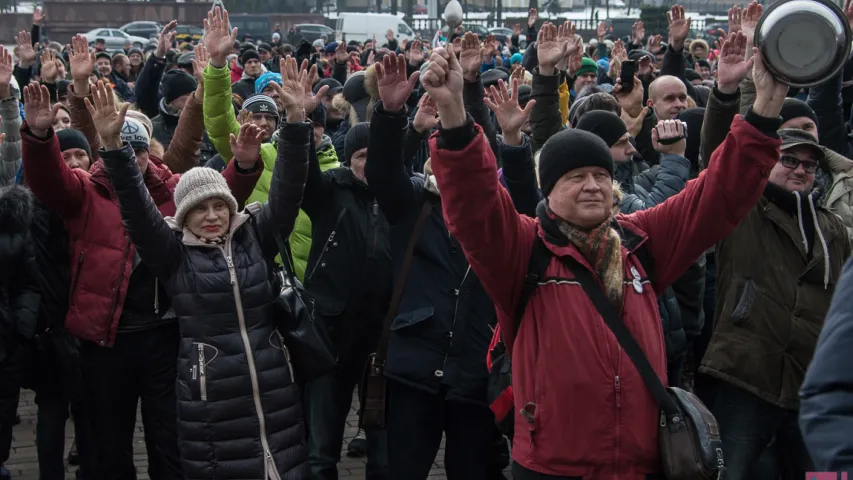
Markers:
(585, 80)
(265, 122)
(319, 131)
(668, 97)
(279, 103)
(622, 150)
(76, 158)
(253, 68)
(180, 102)
(357, 163)
(123, 66)
(705, 72)
(583, 197)
(104, 66)
(803, 123)
(265, 55)
(332, 113)
(794, 179)
(100, 46)
(135, 59)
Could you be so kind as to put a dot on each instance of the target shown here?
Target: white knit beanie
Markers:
(197, 185)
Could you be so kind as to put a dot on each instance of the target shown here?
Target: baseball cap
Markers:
(794, 137)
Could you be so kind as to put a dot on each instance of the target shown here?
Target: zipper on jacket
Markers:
(617, 385)
(326, 245)
(202, 376)
(77, 274)
(270, 470)
(374, 227)
(106, 340)
(453, 324)
(156, 297)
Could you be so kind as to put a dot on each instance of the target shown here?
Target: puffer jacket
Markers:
(19, 293)
(220, 122)
(300, 239)
(10, 151)
(101, 252)
(223, 297)
(767, 326)
(563, 350)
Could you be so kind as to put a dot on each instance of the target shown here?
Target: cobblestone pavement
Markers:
(23, 463)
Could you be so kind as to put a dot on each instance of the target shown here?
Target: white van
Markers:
(364, 26)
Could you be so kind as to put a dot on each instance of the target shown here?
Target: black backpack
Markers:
(499, 389)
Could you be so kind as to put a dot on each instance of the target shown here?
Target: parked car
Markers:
(309, 32)
(114, 38)
(365, 26)
(503, 34)
(144, 29)
(184, 31)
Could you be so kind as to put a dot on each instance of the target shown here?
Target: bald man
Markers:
(667, 97)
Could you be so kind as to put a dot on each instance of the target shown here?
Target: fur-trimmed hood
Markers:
(371, 85)
(16, 209)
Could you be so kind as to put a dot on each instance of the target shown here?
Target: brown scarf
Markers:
(602, 248)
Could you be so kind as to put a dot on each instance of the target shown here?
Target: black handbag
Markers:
(688, 434)
(304, 334)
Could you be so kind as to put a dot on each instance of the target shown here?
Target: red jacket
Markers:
(101, 252)
(590, 413)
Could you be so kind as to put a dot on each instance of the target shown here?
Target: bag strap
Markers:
(623, 335)
(400, 284)
(286, 257)
(540, 257)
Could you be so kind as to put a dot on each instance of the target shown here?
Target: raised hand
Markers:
(654, 45)
(218, 40)
(246, 147)
(645, 66)
(341, 55)
(165, 39)
(244, 116)
(634, 123)
(550, 49)
(310, 100)
(82, 63)
(37, 109)
(769, 92)
(471, 56)
(106, 115)
(748, 22)
(679, 27)
(516, 29)
(38, 16)
(426, 117)
(511, 117)
(638, 32)
(292, 89)
(735, 16)
(631, 102)
(532, 18)
(389, 35)
(733, 65)
(7, 67)
(202, 58)
(26, 54)
(416, 53)
(490, 47)
(394, 88)
(669, 130)
(619, 51)
(443, 81)
(49, 71)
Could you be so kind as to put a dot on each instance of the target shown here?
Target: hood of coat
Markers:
(835, 163)
(16, 209)
(327, 155)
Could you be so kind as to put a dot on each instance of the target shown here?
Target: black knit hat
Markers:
(177, 83)
(70, 138)
(358, 137)
(605, 124)
(250, 54)
(568, 150)
(318, 116)
(793, 108)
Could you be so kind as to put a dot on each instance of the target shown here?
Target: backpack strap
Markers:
(540, 257)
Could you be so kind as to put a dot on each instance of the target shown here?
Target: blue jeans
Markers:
(748, 425)
(327, 402)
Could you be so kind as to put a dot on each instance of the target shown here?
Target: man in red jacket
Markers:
(116, 305)
(584, 411)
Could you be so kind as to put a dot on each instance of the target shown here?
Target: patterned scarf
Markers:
(220, 240)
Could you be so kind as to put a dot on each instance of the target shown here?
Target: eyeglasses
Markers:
(792, 162)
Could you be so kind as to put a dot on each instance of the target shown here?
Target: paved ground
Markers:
(23, 462)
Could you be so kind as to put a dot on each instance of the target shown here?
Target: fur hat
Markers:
(197, 185)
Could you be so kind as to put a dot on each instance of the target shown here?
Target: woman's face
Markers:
(209, 219)
(62, 120)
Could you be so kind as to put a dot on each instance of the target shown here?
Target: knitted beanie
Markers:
(260, 103)
(70, 138)
(143, 119)
(197, 185)
(588, 65)
(568, 150)
(177, 83)
(264, 80)
(134, 133)
(793, 108)
(606, 125)
(358, 137)
(250, 54)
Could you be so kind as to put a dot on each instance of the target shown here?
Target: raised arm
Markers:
(156, 243)
(50, 179)
(184, 152)
(471, 59)
(147, 87)
(385, 169)
(552, 46)
(219, 119)
(82, 62)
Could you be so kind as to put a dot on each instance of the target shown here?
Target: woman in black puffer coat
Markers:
(239, 410)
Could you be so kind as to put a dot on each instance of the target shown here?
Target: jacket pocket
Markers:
(413, 317)
(745, 302)
(202, 355)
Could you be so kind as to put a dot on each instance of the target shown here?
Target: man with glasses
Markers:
(777, 272)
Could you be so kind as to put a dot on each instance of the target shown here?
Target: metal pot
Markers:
(803, 42)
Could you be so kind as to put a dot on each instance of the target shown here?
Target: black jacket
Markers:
(223, 297)
(442, 329)
(349, 266)
(19, 297)
(245, 87)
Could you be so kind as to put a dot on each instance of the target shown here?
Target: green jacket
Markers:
(300, 239)
(220, 122)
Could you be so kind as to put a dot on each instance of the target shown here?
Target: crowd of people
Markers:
(440, 202)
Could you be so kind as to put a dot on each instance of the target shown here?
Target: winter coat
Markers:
(443, 326)
(10, 151)
(222, 295)
(825, 417)
(300, 239)
(147, 86)
(121, 87)
(766, 326)
(562, 349)
(220, 122)
(81, 120)
(192, 147)
(19, 294)
(101, 252)
(349, 265)
(245, 87)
